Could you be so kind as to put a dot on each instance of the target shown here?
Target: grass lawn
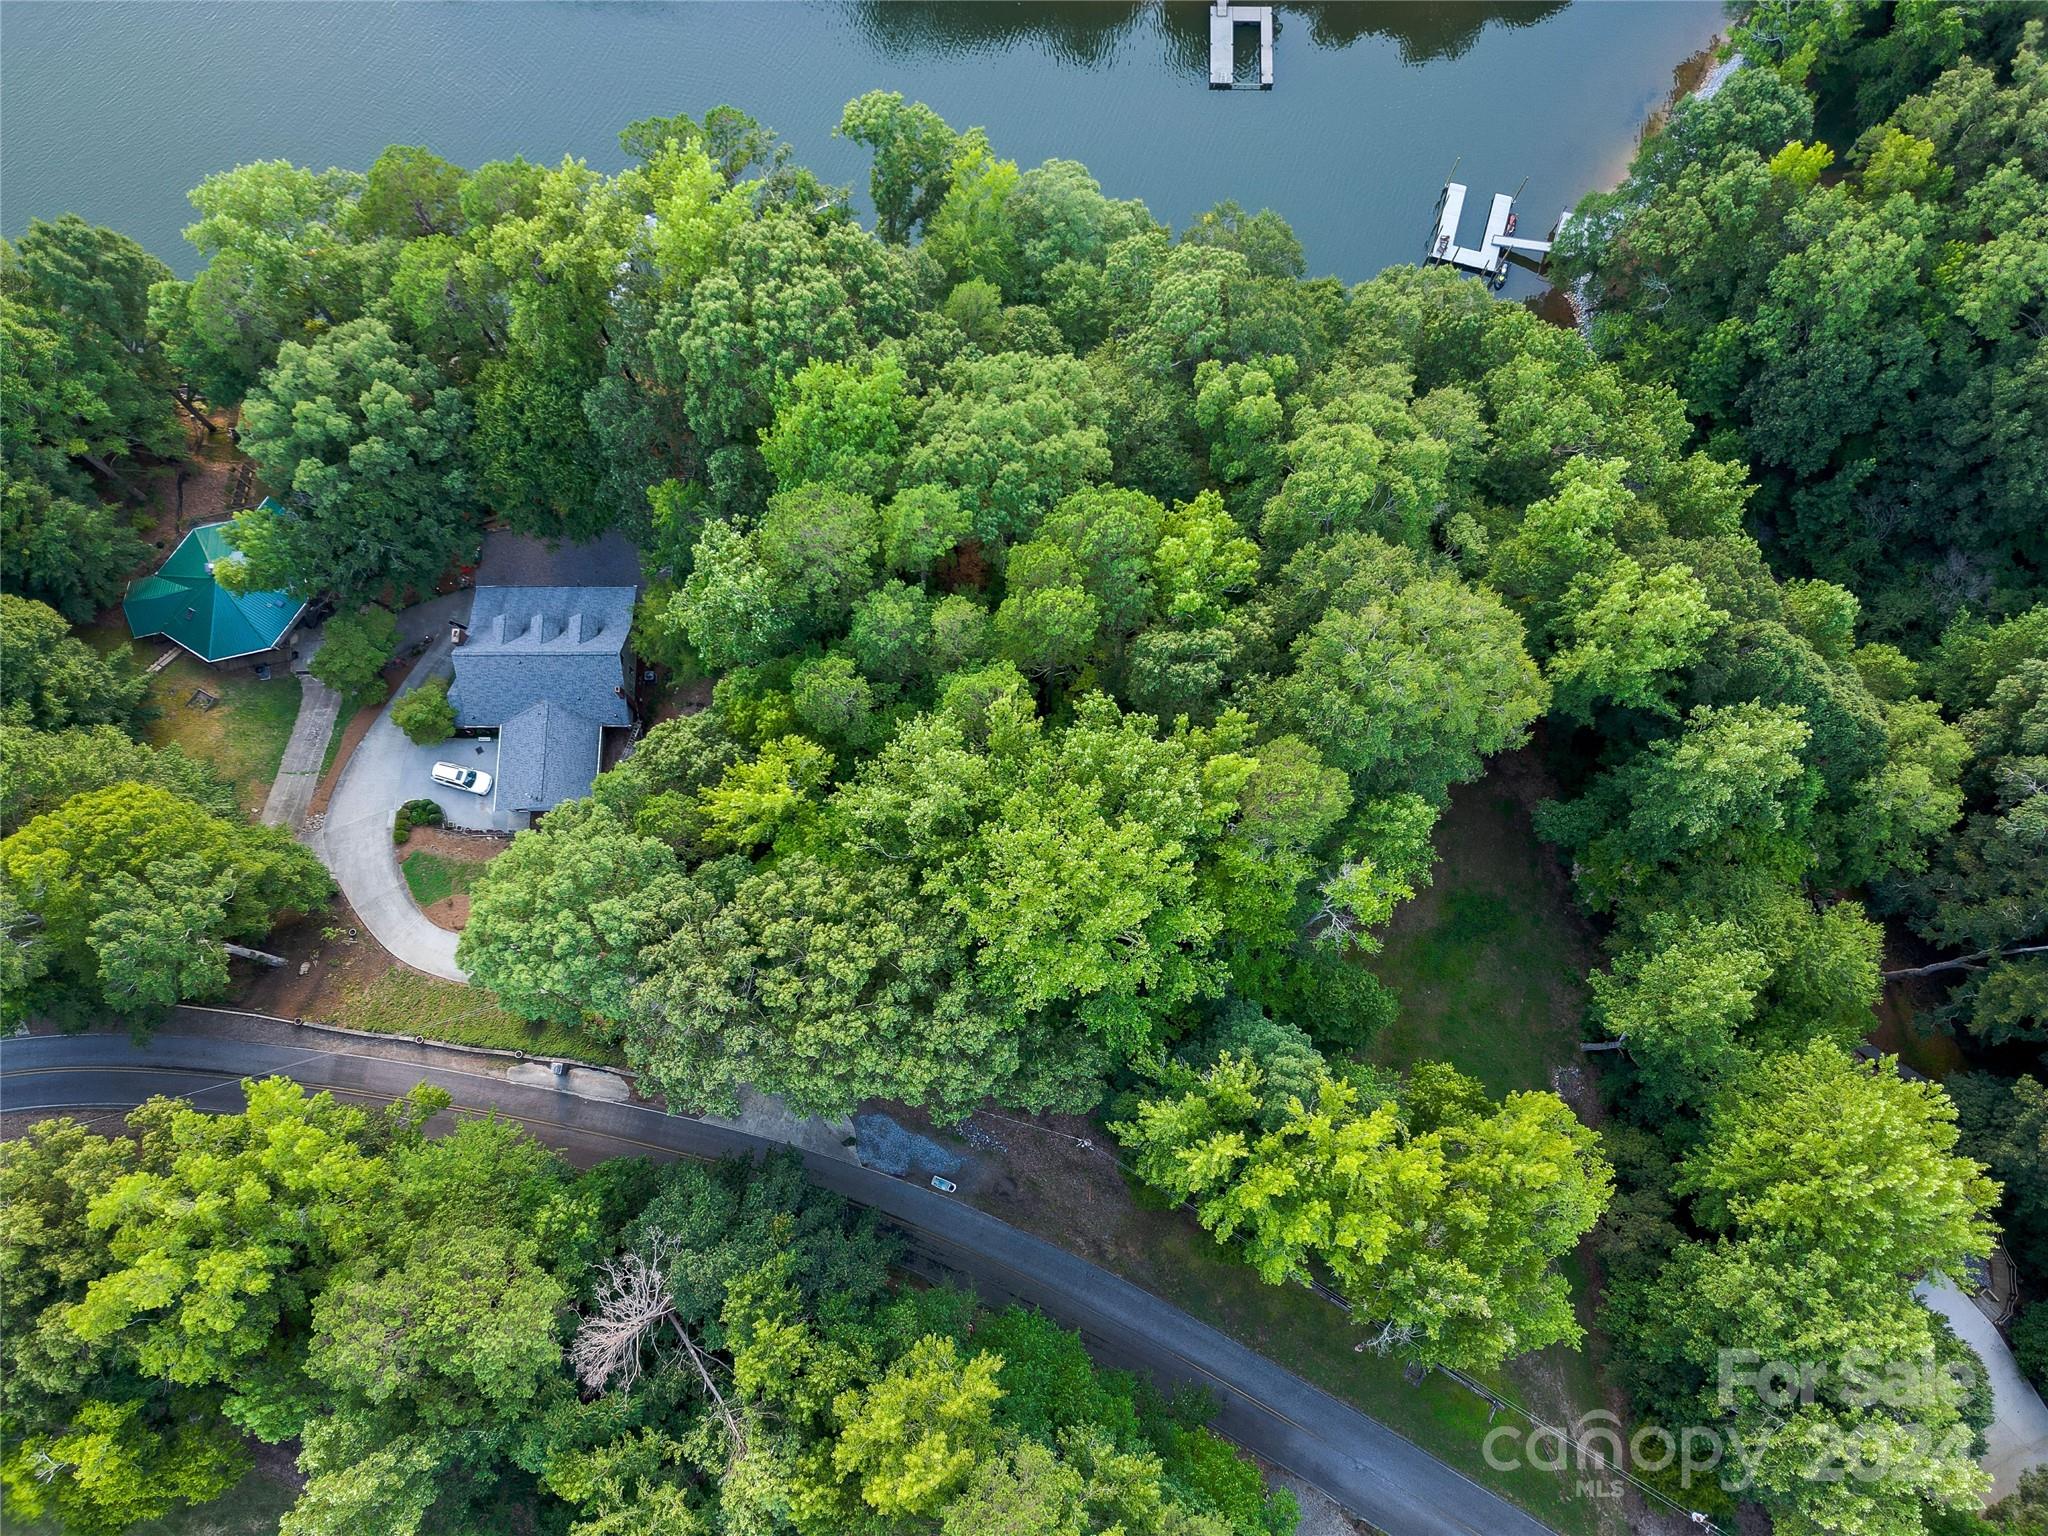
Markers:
(334, 736)
(432, 878)
(403, 1002)
(1490, 958)
(242, 736)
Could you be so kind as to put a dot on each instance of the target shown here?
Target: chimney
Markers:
(457, 631)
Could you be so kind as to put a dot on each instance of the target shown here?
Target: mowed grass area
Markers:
(432, 878)
(403, 1002)
(1490, 959)
(241, 738)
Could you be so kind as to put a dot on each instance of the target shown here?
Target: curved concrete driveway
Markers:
(1360, 1463)
(354, 838)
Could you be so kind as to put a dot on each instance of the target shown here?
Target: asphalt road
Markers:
(1360, 1463)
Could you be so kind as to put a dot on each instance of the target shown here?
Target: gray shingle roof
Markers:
(560, 646)
(546, 754)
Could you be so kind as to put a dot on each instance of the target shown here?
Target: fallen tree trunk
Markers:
(1965, 962)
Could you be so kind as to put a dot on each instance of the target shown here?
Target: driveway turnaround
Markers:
(354, 839)
(1366, 1467)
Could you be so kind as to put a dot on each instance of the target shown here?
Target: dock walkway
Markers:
(1224, 20)
(1498, 244)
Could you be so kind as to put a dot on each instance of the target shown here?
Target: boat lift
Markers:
(1499, 246)
(1224, 20)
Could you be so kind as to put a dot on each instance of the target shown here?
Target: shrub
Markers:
(415, 813)
(425, 714)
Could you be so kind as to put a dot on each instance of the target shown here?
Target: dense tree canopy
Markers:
(1868, 339)
(1097, 623)
(129, 891)
(85, 387)
(456, 1328)
(365, 443)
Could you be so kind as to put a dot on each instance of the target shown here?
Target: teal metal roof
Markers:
(184, 603)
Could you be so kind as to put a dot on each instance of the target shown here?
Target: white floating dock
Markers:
(1224, 20)
(1497, 244)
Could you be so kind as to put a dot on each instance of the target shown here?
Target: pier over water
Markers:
(1498, 246)
(1224, 20)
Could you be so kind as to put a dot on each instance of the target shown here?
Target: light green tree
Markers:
(909, 1441)
(223, 1233)
(1439, 1214)
(134, 890)
(1820, 1149)
(1012, 434)
(354, 649)
(1627, 638)
(840, 424)
(425, 713)
(1407, 681)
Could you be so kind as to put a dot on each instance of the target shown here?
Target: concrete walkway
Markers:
(354, 838)
(2018, 1437)
(298, 771)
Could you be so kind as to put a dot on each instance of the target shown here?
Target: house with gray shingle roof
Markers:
(545, 667)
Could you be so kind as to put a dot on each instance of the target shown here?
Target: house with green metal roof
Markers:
(183, 603)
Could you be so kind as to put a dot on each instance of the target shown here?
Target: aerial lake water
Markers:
(114, 110)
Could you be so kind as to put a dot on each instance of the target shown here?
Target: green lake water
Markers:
(114, 110)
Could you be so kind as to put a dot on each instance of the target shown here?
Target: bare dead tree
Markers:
(1384, 1338)
(1966, 962)
(635, 1300)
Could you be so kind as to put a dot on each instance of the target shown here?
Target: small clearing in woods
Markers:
(1490, 958)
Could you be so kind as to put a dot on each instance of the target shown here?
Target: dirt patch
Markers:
(463, 848)
(451, 912)
(337, 953)
(1321, 1515)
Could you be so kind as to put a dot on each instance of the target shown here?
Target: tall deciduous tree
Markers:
(354, 650)
(134, 890)
(50, 680)
(557, 923)
(1439, 1214)
(367, 445)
